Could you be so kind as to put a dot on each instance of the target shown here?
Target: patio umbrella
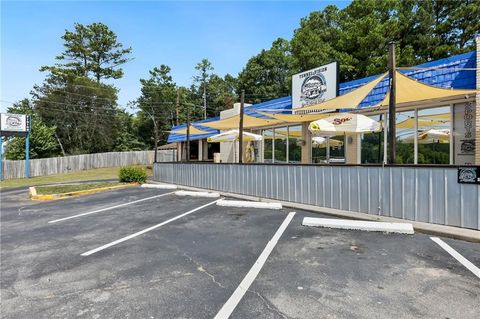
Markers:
(440, 136)
(344, 123)
(321, 142)
(232, 136)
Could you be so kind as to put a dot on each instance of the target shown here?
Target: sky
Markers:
(178, 34)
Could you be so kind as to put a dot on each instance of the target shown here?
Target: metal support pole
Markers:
(27, 155)
(240, 130)
(188, 135)
(391, 104)
(1, 158)
(415, 140)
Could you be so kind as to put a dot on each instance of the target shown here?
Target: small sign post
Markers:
(15, 125)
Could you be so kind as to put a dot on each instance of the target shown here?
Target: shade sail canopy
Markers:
(248, 122)
(422, 122)
(349, 100)
(298, 118)
(430, 136)
(344, 123)
(232, 136)
(321, 142)
(409, 90)
(193, 131)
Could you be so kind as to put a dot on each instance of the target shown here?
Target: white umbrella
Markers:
(232, 136)
(441, 136)
(344, 123)
(321, 142)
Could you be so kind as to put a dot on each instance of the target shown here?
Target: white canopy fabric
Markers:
(344, 123)
(232, 136)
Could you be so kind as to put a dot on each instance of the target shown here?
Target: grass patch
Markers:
(60, 189)
(91, 174)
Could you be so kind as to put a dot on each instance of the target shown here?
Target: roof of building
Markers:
(446, 73)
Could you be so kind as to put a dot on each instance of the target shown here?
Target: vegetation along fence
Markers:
(57, 165)
(425, 194)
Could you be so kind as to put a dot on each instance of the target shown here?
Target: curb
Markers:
(35, 196)
(426, 228)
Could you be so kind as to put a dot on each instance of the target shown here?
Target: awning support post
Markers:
(391, 104)
(240, 129)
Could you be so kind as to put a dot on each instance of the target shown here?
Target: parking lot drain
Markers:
(402, 228)
(247, 204)
(160, 186)
(197, 194)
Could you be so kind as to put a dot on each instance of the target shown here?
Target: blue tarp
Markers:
(449, 77)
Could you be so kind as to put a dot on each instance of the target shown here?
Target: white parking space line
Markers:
(464, 261)
(108, 208)
(121, 240)
(402, 228)
(238, 294)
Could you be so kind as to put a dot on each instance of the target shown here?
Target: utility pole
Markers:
(391, 104)
(188, 135)
(240, 130)
(205, 98)
(177, 105)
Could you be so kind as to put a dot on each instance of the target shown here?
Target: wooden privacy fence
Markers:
(57, 165)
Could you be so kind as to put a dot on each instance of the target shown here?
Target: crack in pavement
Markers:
(203, 270)
(269, 305)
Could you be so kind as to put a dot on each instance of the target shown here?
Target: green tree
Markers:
(91, 50)
(42, 137)
(267, 75)
(204, 69)
(157, 104)
(84, 112)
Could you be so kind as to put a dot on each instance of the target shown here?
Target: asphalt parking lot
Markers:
(185, 257)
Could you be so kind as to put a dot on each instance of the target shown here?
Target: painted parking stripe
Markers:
(108, 208)
(121, 240)
(238, 294)
(464, 261)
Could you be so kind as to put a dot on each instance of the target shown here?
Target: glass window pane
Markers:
(280, 145)
(434, 136)
(294, 148)
(267, 146)
(372, 144)
(319, 150)
(337, 149)
(405, 125)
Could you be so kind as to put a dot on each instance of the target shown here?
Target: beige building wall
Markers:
(306, 145)
(353, 149)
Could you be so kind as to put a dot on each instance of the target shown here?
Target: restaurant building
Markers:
(437, 119)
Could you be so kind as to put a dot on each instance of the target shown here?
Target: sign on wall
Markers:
(315, 86)
(13, 123)
(464, 137)
(469, 175)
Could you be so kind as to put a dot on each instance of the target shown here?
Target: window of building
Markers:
(372, 144)
(280, 145)
(433, 136)
(294, 147)
(268, 141)
(405, 127)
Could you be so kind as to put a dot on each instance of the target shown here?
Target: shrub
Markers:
(132, 174)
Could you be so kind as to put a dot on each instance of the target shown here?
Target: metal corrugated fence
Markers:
(57, 165)
(425, 194)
